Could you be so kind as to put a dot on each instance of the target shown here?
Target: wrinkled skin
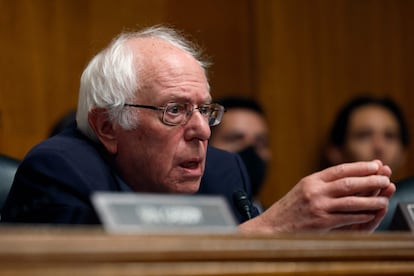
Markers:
(352, 196)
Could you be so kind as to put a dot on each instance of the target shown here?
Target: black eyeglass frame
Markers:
(214, 107)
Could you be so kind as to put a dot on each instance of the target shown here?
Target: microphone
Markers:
(243, 204)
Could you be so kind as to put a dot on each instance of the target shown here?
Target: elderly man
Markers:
(143, 120)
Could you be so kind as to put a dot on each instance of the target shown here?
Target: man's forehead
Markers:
(169, 72)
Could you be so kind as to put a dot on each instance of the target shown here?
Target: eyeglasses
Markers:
(175, 114)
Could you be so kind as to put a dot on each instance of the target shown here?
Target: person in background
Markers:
(368, 128)
(244, 130)
(143, 123)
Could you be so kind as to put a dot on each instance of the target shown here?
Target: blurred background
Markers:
(301, 59)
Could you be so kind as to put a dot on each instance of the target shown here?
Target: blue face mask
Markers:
(256, 168)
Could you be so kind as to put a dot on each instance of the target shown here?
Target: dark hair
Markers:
(340, 126)
(241, 102)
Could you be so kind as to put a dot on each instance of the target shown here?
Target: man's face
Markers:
(156, 157)
(373, 133)
(241, 128)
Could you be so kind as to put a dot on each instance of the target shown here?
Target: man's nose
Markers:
(197, 127)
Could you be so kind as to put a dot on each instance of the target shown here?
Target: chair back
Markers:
(8, 167)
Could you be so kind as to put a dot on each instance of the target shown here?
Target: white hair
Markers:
(110, 79)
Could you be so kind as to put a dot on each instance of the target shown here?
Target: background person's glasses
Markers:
(175, 114)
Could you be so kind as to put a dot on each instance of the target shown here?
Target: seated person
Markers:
(143, 123)
(244, 130)
(369, 128)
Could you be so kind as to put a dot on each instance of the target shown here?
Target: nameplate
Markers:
(403, 219)
(163, 213)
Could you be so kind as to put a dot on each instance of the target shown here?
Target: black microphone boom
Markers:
(243, 204)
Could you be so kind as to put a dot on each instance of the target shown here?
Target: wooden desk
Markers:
(89, 251)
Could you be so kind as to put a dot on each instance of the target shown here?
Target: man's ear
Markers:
(334, 155)
(104, 129)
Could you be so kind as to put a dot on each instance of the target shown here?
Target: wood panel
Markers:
(60, 251)
(224, 29)
(46, 44)
(312, 57)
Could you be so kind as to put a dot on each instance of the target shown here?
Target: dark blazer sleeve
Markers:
(224, 175)
(54, 183)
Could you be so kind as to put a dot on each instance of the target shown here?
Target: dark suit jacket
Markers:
(57, 177)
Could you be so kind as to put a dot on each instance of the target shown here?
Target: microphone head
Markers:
(240, 198)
